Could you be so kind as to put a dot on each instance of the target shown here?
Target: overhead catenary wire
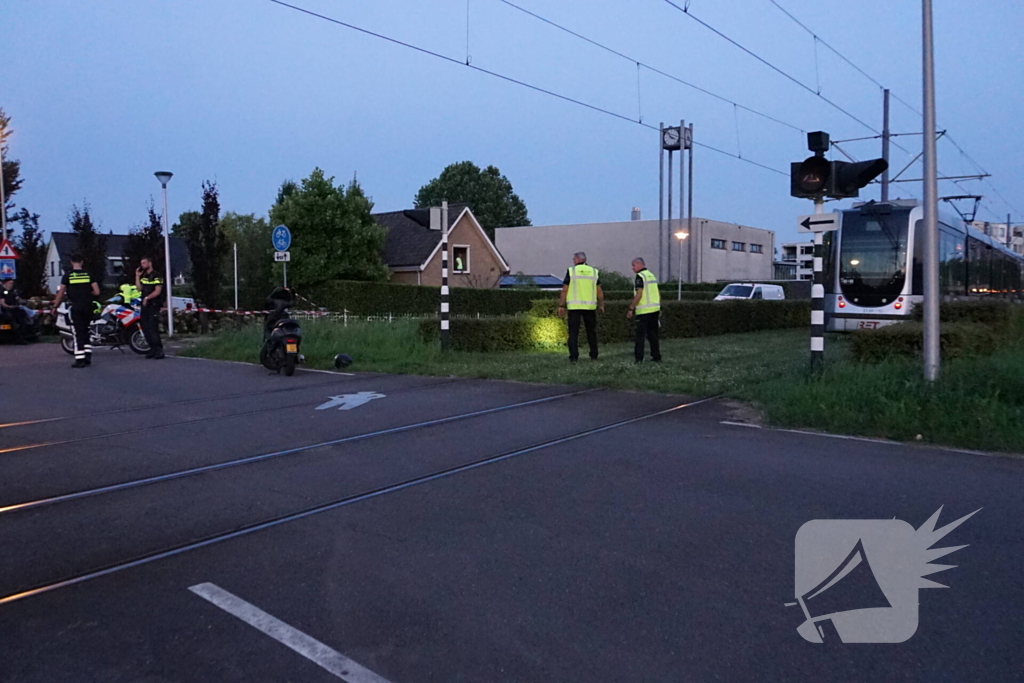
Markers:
(764, 61)
(819, 39)
(510, 79)
(653, 69)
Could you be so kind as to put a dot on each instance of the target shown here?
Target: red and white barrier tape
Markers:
(234, 312)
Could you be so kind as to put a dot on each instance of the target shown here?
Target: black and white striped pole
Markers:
(445, 323)
(818, 298)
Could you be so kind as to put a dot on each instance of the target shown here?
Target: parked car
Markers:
(751, 290)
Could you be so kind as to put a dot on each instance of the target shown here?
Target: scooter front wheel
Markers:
(67, 344)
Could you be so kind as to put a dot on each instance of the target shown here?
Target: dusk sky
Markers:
(249, 93)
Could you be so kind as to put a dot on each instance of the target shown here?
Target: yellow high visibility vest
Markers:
(582, 295)
(650, 300)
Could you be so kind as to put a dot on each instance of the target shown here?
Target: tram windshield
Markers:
(873, 255)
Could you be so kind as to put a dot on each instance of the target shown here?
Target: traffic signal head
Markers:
(810, 178)
(818, 142)
(847, 178)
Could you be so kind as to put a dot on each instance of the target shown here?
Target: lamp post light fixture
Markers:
(681, 235)
(164, 177)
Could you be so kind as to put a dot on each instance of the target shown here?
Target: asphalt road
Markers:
(189, 520)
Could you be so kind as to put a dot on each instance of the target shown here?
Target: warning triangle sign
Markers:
(7, 251)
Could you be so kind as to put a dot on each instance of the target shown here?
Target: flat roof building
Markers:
(718, 251)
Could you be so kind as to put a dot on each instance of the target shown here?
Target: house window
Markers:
(53, 269)
(717, 244)
(738, 246)
(756, 249)
(116, 266)
(460, 259)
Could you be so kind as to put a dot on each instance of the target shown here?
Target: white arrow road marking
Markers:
(310, 648)
(350, 401)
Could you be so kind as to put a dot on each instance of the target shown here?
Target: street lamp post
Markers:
(164, 177)
(3, 198)
(681, 236)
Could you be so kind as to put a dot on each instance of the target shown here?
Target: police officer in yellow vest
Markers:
(647, 305)
(581, 293)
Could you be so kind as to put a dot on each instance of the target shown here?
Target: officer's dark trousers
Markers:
(589, 319)
(81, 317)
(647, 328)
(149, 327)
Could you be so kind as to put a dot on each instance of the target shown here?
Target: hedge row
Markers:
(666, 295)
(542, 329)
(998, 313)
(907, 339)
(370, 298)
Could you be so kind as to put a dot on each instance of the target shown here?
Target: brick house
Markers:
(413, 249)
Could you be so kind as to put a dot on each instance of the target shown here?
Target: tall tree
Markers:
(11, 169)
(488, 193)
(145, 240)
(90, 244)
(334, 235)
(206, 248)
(32, 250)
(256, 276)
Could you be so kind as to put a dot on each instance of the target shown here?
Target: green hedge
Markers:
(998, 313)
(618, 294)
(369, 298)
(907, 339)
(542, 329)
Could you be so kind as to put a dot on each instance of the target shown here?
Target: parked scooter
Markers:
(119, 324)
(281, 335)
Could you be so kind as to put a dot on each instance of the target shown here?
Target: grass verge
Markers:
(978, 403)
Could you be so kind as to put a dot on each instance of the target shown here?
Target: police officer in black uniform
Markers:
(151, 284)
(80, 288)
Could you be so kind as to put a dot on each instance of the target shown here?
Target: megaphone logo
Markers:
(857, 579)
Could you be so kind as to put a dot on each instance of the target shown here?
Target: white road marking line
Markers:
(887, 442)
(310, 648)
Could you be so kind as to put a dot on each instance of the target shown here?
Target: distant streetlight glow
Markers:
(681, 235)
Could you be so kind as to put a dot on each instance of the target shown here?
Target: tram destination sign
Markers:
(819, 222)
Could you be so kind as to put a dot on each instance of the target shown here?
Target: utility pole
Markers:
(682, 188)
(931, 233)
(885, 144)
(661, 194)
(689, 210)
(1009, 234)
(664, 267)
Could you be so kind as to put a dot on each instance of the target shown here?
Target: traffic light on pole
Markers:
(809, 178)
(816, 177)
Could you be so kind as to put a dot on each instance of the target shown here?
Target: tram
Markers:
(873, 265)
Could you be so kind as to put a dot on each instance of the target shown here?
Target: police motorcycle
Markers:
(281, 335)
(119, 323)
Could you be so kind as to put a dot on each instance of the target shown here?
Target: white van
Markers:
(751, 290)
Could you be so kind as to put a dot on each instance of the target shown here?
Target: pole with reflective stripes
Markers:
(818, 299)
(445, 330)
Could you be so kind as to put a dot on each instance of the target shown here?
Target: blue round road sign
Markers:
(282, 238)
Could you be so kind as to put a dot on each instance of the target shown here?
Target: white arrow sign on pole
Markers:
(350, 401)
(819, 222)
